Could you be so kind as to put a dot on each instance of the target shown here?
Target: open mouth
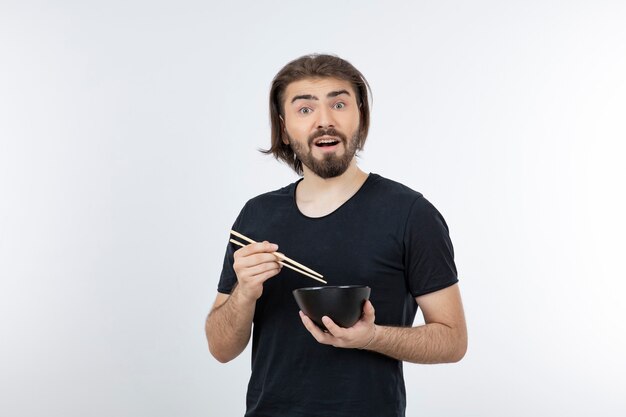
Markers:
(325, 142)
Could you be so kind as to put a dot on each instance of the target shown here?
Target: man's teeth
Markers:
(326, 142)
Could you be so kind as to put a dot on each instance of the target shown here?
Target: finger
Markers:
(266, 275)
(333, 328)
(258, 247)
(241, 265)
(255, 259)
(262, 268)
(317, 333)
(369, 314)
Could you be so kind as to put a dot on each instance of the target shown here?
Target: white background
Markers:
(128, 137)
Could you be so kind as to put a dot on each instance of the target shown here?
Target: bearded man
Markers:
(359, 229)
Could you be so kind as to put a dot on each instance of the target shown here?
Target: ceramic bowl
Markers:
(343, 304)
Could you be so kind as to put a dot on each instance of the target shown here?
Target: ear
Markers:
(284, 136)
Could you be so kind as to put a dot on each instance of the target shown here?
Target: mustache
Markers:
(327, 132)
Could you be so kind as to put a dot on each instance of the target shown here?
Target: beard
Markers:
(330, 165)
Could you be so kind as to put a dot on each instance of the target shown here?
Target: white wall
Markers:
(128, 137)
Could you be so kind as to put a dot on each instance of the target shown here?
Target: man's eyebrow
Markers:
(337, 93)
(312, 97)
(304, 97)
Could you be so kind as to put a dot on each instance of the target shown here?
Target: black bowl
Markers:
(343, 304)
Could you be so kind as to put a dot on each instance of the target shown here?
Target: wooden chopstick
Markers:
(284, 264)
(280, 256)
(283, 258)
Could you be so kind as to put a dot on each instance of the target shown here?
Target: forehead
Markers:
(318, 87)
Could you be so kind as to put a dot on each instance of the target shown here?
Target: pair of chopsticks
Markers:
(283, 259)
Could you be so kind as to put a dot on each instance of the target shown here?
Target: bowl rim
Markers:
(330, 287)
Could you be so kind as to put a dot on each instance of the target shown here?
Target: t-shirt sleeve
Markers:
(429, 255)
(228, 278)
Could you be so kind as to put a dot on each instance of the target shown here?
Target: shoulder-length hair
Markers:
(313, 66)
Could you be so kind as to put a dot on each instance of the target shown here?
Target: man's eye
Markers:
(305, 110)
(339, 105)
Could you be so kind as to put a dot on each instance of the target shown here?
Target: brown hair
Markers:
(313, 66)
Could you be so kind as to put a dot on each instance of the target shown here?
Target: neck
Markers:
(317, 185)
(318, 196)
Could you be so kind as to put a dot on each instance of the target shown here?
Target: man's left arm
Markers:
(443, 337)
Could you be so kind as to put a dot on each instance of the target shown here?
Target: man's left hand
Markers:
(357, 337)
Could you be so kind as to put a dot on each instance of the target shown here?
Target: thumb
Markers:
(368, 311)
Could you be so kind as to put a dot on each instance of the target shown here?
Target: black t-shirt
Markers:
(386, 236)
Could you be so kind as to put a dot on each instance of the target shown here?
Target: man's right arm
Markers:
(229, 324)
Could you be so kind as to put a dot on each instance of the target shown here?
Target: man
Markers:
(354, 228)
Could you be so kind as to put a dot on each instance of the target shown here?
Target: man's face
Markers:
(321, 122)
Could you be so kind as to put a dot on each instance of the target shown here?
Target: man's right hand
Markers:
(255, 264)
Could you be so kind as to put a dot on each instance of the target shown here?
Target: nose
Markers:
(325, 118)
